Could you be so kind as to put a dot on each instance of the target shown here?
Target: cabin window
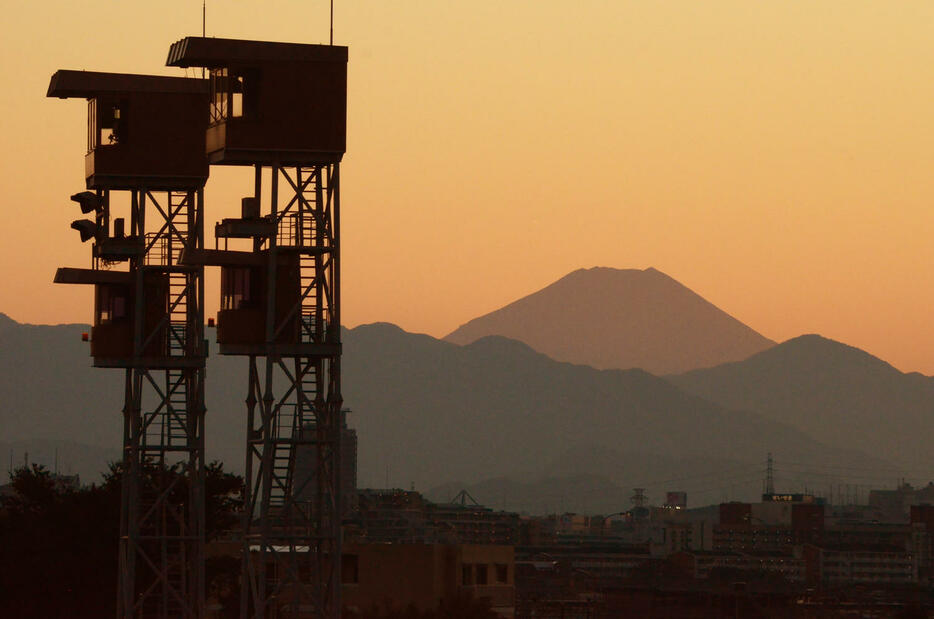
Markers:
(107, 123)
(92, 125)
(236, 96)
(236, 286)
(219, 95)
(244, 94)
(112, 305)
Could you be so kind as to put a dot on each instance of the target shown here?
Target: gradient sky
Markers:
(777, 158)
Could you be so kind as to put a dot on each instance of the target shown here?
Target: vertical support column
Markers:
(163, 504)
(196, 348)
(335, 396)
(294, 565)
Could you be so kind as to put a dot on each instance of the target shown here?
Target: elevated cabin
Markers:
(271, 103)
(144, 131)
(241, 320)
(113, 337)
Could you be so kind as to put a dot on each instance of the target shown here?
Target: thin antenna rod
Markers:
(332, 22)
(204, 19)
(769, 476)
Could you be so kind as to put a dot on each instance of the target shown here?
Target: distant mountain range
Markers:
(620, 318)
(834, 393)
(497, 408)
(508, 423)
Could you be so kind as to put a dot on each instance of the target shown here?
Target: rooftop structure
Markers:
(143, 130)
(271, 103)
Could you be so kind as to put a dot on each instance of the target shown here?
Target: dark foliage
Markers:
(59, 544)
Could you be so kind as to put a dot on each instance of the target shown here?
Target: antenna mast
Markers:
(204, 20)
(769, 479)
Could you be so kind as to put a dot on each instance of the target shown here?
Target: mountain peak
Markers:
(812, 351)
(834, 392)
(620, 318)
(603, 272)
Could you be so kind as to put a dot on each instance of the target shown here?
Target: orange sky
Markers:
(777, 158)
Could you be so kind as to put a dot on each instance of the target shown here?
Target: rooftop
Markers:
(66, 83)
(211, 52)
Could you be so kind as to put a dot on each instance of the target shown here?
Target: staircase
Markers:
(308, 238)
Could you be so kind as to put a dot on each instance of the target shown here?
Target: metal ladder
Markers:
(176, 240)
(283, 456)
(307, 235)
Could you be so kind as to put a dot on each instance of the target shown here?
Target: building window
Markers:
(481, 574)
(219, 94)
(502, 573)
(350, 569)
(234, 95)
(236, 288)
(466, 574)
(112, 305)
(93, 131)
(107, 123)
(113, 124)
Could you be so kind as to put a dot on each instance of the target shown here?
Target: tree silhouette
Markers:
(58, 544)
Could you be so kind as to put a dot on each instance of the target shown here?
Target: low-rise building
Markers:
(423, 576)
(831, 565)
(700, 564)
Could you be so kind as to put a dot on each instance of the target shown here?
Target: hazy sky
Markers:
(775, 157)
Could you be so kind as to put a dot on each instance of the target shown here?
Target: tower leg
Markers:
(292, 518)
(162, 516)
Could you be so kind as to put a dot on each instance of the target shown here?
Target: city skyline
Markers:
(773, 159)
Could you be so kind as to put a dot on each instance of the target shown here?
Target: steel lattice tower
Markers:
(291, 532)
(280, 109)
(162, 530)
(145, 143)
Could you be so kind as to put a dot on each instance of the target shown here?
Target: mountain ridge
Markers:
(620, 318)
(832, 391)
(428, 412)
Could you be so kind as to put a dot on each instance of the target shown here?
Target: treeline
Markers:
(59, 549)
(59, 543)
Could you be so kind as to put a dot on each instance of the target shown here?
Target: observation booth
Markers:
(143, 130)
(271, 103)
(241, 320)
(277, 105)
(145, 136)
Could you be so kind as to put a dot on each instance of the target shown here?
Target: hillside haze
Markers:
(431, 413)
(835, 393)
(620, 318)
(427, 411)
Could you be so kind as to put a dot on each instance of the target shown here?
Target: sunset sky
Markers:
(777, 158)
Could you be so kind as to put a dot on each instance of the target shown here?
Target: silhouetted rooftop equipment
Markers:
(271, 103)
(143, 130)
(87, 228)
(88, 201)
